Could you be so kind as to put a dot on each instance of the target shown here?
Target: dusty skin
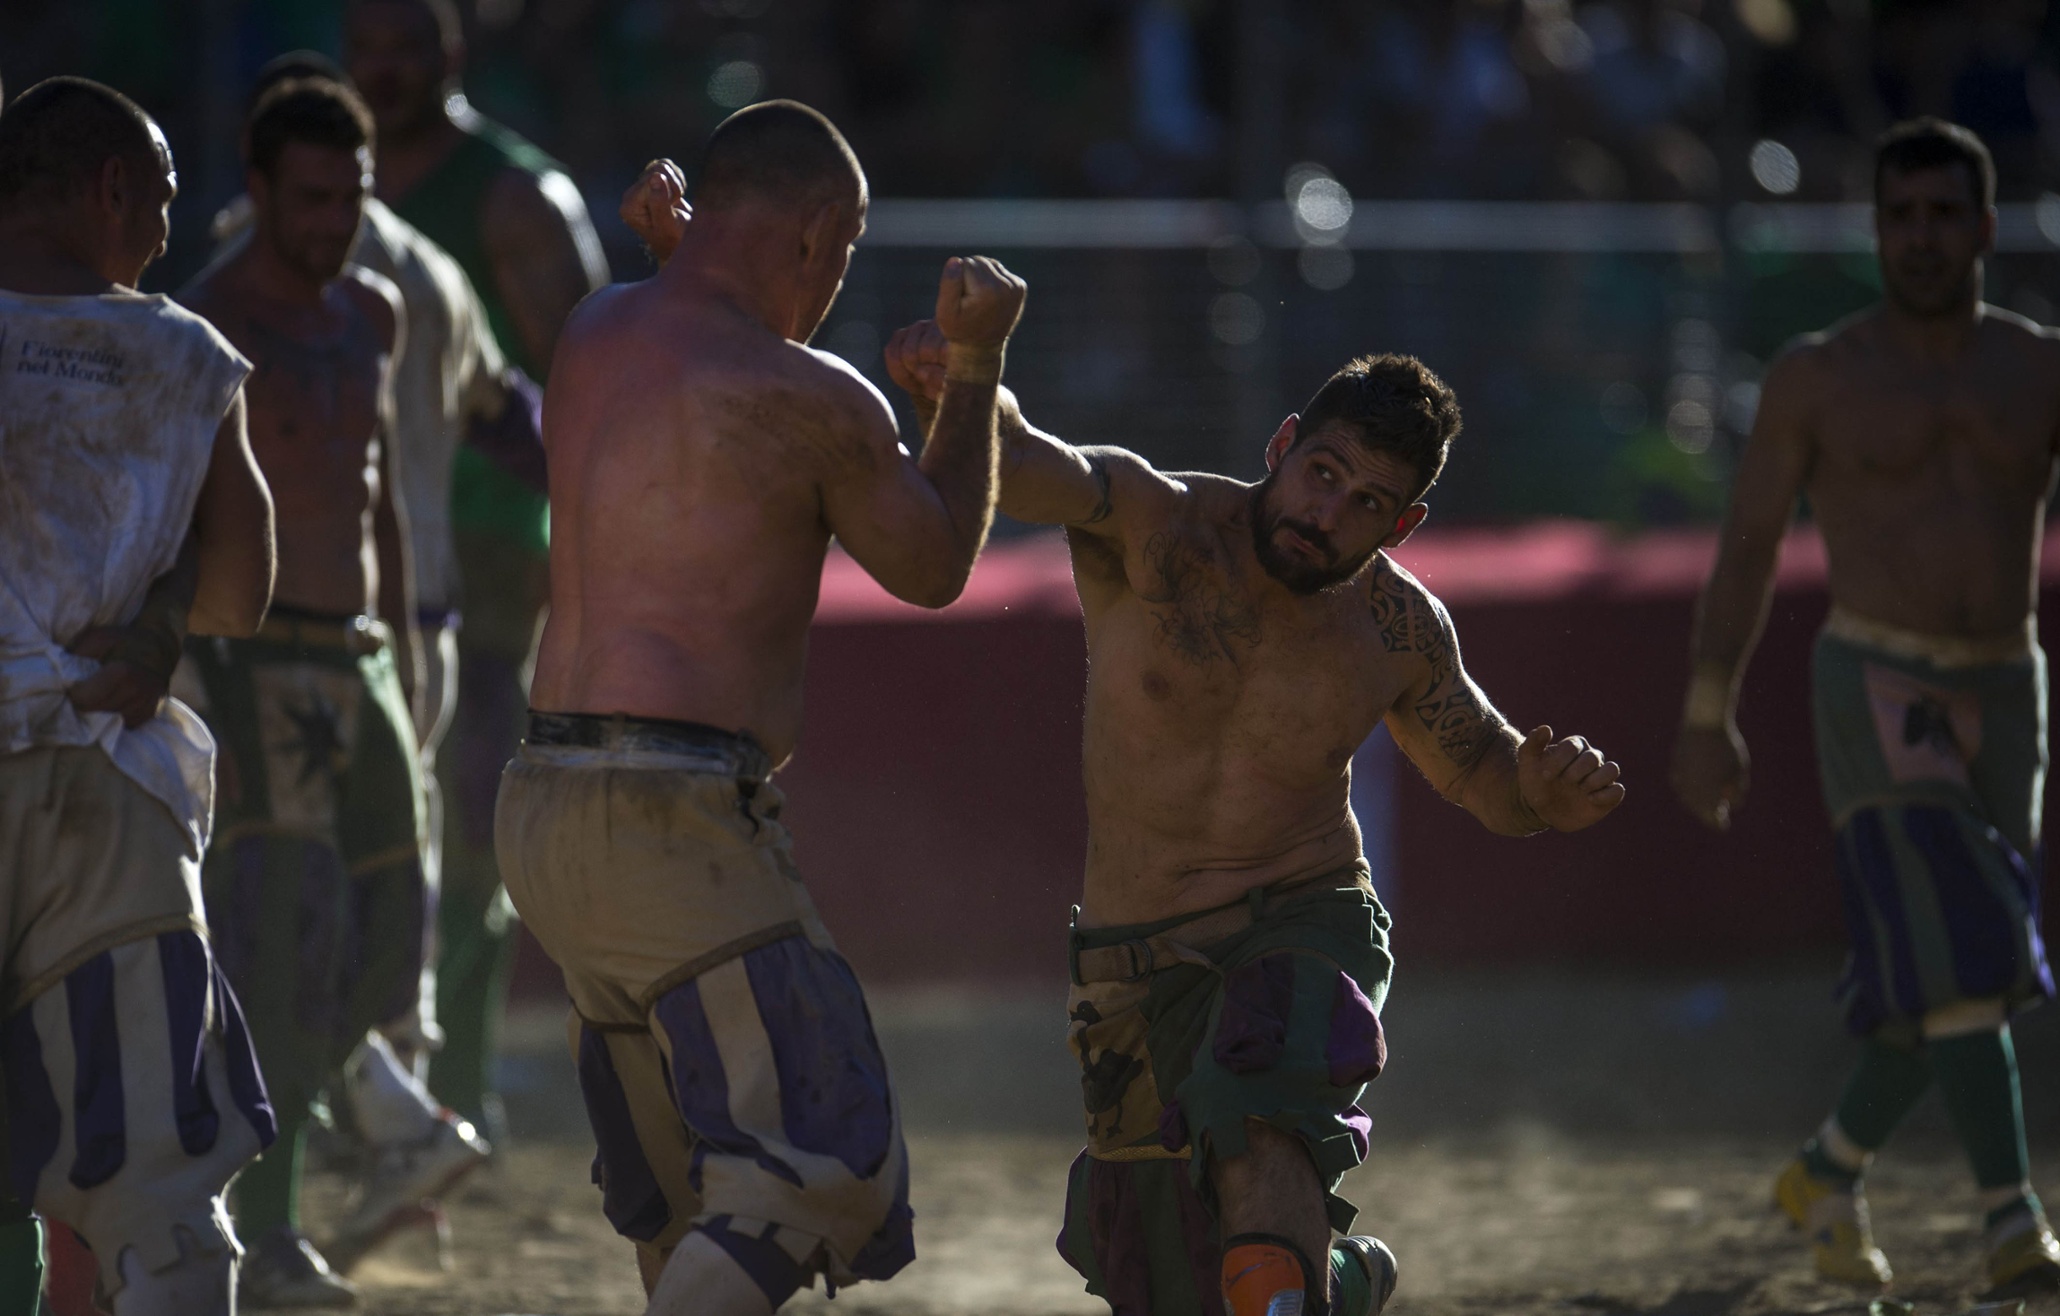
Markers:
(1543, 1146)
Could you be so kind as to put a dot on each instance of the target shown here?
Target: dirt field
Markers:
(1543, 1145)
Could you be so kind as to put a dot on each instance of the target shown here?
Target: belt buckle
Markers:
(1140, 959)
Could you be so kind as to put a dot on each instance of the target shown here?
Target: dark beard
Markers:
(1297, 576)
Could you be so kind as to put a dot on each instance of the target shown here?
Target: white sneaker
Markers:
(282, 1271)
(403, 1176)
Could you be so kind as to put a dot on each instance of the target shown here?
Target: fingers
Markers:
(118, 688)
(95, 641)
(978, 301)
(1534, 744)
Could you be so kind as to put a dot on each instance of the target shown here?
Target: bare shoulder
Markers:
(520, 201)
(2021, 334)
(846, 398)
(376, 298)
(1409, 618)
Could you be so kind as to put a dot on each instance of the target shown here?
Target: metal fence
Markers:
(1607, 356)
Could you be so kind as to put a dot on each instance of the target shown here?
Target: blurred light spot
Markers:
(1771, 22)
(2047, 211)
(1325, 269)
(1696, 345)
(1564, 45)
(1677, 1201)
(1236, 319)
(1324, 205)
(455, 105)
(1694, 388)
(1623, 407)
(857, 341)
(1741, 405)
(735, 84)
(1775, 167)
(1234, 261)
(1690, 427)
(1300, 176)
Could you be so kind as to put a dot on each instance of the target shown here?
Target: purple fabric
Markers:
(324, 946)
(1861, 982)
(1118, 1240)
(1360, 1125)
(234, 922)
(1251, 1031)
(1173, 1131)
(1873, 867)
(1357, 1048)
(246, 1080)
(630, 1195)
(893, 1244)
(701, 1089)
(34, 1119)
(834, 1095)
(182, 958)
(100, 1134)
(513, 441)
(766, 1262)
(1978, 926)
(1118, 1215)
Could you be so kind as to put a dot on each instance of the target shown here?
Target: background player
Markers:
(701, 458)
(1923, 431)
(516, 225)
(1229, 958)
(130, 511)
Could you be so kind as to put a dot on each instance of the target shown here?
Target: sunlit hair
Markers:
(1930, 143)
(779, 151)
(57, 136)
(1392, 404)
(313, 110)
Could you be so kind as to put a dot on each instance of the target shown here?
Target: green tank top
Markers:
(446, 206)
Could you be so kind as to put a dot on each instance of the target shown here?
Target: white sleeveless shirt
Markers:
(108, 411)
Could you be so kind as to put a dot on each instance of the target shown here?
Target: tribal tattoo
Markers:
(1451, 709)
(1196, 618)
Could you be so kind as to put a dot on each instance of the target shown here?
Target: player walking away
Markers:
(701, 458)
(1923, 431)
(450, 386)
(516, 225)
(315, 884)
(130, 510)
(1229, 958)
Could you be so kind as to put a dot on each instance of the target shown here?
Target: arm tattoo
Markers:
(1100, 467)
(1451, 709)
(1197, 618)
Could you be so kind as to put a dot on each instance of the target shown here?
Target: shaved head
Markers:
(779, 151)
(56, 137)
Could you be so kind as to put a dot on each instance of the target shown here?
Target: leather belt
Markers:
(356, 636)
(1138, 958)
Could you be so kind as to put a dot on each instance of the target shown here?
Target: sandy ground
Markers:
(1544, 1144)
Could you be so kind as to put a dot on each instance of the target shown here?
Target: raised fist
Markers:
(1566, 783)
(656, 210)
(916, 360)
(978, 303)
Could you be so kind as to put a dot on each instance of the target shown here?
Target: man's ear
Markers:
(1988, 231)
(820, 232)
(1283, 439)
(1405, 524)
(115, 187)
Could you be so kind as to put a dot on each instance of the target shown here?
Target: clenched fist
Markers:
(916, 361)
(1566, 784)
(656, 209)
(978, 304)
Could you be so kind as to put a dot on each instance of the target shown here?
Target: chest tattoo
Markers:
(1196, 618)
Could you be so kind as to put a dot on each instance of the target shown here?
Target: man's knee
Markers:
(724, 1267)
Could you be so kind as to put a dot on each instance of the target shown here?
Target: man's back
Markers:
(1930, 482)
(689, 450)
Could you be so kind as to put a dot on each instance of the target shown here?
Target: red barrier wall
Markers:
(936, 805)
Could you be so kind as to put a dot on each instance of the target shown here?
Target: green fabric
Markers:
(475, 952)
(1977, 1076)
(21, 1266)
(446, 206)
(314, 882)
(1351, 1288)
(1155, 1193)
(1886, 1085)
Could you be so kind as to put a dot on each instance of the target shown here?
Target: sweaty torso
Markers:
(314, 399)
(1222, 713)
(687, 445)
(1930, 482)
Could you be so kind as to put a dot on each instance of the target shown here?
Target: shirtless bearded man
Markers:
(1229, 959)
(315, 882)
(701, 457)
(1924, 431)
(130, 510)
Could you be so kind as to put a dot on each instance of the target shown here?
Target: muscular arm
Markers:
(234, 535)
(394, 551)
(545, 257)
(1514, 784)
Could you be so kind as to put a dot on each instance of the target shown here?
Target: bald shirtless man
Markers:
(1229, 958)
(1924, 432)
(701, 458)
(315, 882)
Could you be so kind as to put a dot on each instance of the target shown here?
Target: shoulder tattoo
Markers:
(1450, 708)
(1100, 467)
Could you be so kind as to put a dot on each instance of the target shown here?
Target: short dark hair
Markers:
(781, 150)
(313, 110)
(1395, 405)
(1930, 143)
(295, 64)
(56, 137)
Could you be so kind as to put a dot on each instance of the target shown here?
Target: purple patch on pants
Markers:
(1357, 1048)
(701, 1088)
(834, 1096)
(246, 1080)
(630, 1195)
(766, 1262)
(34, 1119)
(1251, 1032)
(187, 975)
(100, 1134)
(893, 1244)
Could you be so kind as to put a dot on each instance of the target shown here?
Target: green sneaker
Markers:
(1363, 1273)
